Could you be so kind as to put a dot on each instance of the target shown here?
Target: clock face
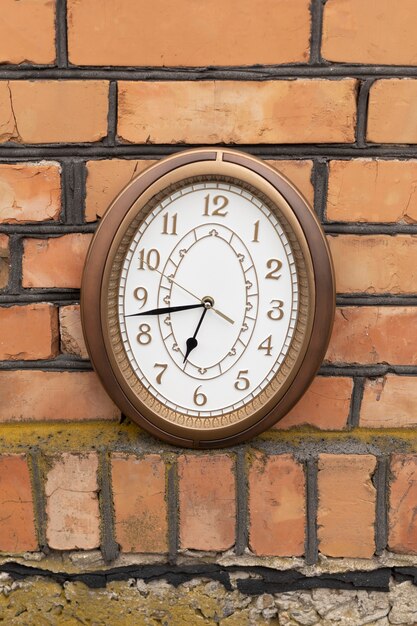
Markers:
(203, 282)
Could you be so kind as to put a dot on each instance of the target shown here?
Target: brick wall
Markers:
(326, 92)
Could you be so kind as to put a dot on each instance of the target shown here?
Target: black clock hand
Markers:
(192, 341)
(168, 309)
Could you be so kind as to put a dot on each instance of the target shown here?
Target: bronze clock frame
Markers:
(100, 284)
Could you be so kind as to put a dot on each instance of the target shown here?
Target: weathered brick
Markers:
(4, 260)
(72, 509)
(375, 263)
(17, 526)
(207, 502)
(374, 334)
(392, 111)
(37, 395)
(346, 511)
(139, 503)
(27, 31)
(325, 405)
(389, 402)
(72, 339)
(299, 173)
(237, 112)
(277, 506)
(372, 190)
(403, 504)
(52, 111)
(38, 340)
(365, 31)
(106, 179)
(55, 262)
(29, 192)
(237, 32)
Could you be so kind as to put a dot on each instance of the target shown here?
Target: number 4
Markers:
(266, 345)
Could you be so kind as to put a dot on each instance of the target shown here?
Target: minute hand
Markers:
(168, 309)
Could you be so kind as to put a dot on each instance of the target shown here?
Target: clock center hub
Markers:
(208, 302)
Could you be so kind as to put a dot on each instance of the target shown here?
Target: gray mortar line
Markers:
(112, 114)
(311, 550)
(39, 499)
(173, 511)
(242, 516)
(355, 402)
(61, 41)
(109, 547)
(381, 518)
(362, 111)
(316, 12)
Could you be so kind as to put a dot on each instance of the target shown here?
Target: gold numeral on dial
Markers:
(166, 220)
(200, 398)
(242, 383)
(220, 203)
(256, 232)
(279, 313)
(163, 367)
(141, 294)
(144, 337)
(149, 260)
(266, 345)
(274, 265)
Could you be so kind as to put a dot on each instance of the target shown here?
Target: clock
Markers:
(207, 298)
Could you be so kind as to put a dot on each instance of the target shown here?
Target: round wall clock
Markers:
(207, 298)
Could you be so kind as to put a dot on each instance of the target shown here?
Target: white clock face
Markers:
(217, 247)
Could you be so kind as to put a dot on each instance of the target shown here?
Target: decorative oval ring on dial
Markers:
(208, 298)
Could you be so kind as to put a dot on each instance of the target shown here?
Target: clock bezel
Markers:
(106, 243)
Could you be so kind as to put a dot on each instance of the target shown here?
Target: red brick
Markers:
(277, 506)
(207, 502)
(40, 337)
(55, 262)
(403, 504)
(4, 261)
(325, 405)
(59, 111)
(372, 190)
(375, 263)
(374, 334)
(237, 112)
(27, 31)
(299, 173)
(29, 192)
(365, 31)
(36, 395)
(237, 32)
(106, 179)
(72, 339)
(389, 402)
(346, 512)
(392, 111)
(17, 526)
(139, 503)
(72, 509)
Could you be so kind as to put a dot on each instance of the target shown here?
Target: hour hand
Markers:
(168, 309)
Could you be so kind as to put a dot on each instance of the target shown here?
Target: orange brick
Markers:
(59, 111)
(237, 112)
(72, 338)
(365, 31)
(17, 526)
(346, 512)
(402, 504)
(299, 174)
(372, 190)
(392, 111)
(40, 337)
(27, 31)
(373, 334)
(106, 179)
(277, 506)
(389, 402)
(325, 405)
(72, 510)
(58, 396)
(55, 262)
(4, 261)
(375, 263)
(139, 503)
(29, 192)
(207, 502)
(238, 32)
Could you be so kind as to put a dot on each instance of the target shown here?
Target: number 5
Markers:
(242, 383)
